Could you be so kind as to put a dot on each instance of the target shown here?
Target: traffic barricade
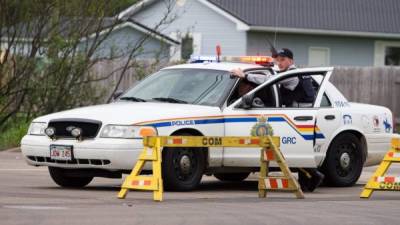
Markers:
(285, 182)
(379, 180)
(152, 153)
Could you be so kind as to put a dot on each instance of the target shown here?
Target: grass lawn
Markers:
(12, 135)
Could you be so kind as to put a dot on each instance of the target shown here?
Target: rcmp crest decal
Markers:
(262, 128)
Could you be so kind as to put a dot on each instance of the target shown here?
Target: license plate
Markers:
(61, 152)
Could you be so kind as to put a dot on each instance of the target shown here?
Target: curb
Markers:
(17, 149)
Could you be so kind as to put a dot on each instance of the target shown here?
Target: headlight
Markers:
(76, 132)
(50, 131)
(124, 131)
(37, 128)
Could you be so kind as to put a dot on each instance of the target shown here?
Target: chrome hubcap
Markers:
(345, 160)
(185, 164)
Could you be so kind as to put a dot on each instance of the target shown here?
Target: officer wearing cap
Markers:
(293, 90)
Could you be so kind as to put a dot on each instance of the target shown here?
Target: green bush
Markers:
(12, 135)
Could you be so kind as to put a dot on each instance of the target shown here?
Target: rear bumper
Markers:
(378, 145)
(99, 153)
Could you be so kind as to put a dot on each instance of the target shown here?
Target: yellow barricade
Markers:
(148, 183)
(286, 182)
(380, 182)
(152, 153)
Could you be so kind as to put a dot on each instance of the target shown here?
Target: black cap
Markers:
(285, 52)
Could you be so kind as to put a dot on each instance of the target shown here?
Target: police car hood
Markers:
(128, 113)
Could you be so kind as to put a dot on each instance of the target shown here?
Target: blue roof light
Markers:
(202, 59)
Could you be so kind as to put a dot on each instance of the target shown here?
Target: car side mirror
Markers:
(117, 94)
(247, 101)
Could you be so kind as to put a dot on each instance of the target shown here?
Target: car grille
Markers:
(96, 162)
(90, 128)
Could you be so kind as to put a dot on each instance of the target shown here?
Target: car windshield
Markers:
(185, 86)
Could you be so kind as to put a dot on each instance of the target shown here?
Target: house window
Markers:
(387, 53)
(318, 56)
(392, 56)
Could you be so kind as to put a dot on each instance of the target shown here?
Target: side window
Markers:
(264, 98)
(299, 91)
(325, 102)
(242, 88)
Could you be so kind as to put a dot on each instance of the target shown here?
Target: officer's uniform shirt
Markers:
(289, 83)
(290, 88)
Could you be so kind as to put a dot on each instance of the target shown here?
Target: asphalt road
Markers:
(28, 196)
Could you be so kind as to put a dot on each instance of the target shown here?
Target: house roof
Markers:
(363, 16)
(371, 18)
(89, 27)
(152, 32)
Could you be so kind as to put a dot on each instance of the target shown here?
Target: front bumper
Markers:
(98, 153)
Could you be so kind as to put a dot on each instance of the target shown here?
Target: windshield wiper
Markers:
(172, 100)
(134, 99)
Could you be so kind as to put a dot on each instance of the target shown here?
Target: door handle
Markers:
(330, 117)
(303, 118)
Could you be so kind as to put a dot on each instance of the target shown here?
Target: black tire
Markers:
(183, 168)
(60, 177)
(233, 177)
(344, 161)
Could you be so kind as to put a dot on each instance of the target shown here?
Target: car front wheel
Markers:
(61, 177)
(183, 168)
(344, 161)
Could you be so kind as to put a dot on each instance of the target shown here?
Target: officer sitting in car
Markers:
(295, 92)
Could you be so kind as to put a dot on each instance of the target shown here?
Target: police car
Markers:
(201, 99)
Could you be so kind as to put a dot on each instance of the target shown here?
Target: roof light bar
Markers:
(261, 60)
(257, 59)
(202, 59)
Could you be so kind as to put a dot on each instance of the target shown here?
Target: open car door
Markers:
(262, 110)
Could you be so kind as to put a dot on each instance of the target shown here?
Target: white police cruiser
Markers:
(332, 134)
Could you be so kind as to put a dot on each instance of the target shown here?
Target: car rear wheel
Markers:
(183, 168)
(235, 177)
(61, 177)
(344, 161)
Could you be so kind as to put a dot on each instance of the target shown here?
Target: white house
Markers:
(320, 32)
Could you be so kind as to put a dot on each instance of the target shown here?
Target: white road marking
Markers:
(35, 207)
(16, 169)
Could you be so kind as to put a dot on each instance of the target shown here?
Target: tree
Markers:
(48, 51)
(187, 47)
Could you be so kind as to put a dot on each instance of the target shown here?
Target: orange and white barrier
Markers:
(276, 183)
(285, 182)
(152, 153)
(379, 181)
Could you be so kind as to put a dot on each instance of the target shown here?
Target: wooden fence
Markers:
(372, 85)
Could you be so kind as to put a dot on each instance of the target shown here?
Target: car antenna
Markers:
(274, 53)
(276, 21)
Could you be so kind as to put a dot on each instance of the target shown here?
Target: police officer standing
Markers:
(294, 90)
